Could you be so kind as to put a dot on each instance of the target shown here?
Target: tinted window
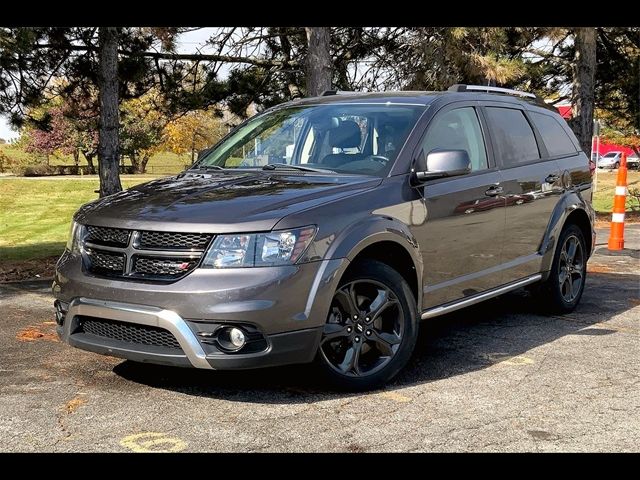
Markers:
(458, 129)
(553, 135)
(515, 141)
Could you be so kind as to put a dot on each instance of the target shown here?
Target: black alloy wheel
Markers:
(371, 327)
(562, 290)
(571, 268)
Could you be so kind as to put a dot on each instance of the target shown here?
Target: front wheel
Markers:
(563, 289)
(371, 329)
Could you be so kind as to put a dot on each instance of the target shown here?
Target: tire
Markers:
(555, 294)
(359, 354)
(617, 165)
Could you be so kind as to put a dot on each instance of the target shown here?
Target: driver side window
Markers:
(458, 129)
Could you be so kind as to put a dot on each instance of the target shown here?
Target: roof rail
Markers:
(458, 87)
(328, 93)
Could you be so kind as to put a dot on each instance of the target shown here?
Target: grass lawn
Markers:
(162, 163)
(35, 213)
(603, 197)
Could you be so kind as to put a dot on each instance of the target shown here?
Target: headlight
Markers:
(258, 249)
(75, 237)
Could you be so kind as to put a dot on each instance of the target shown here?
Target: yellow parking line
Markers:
(395, 396)
(506, 359)
(147, 442)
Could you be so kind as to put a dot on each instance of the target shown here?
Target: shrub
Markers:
(4, 162)
(39, 170)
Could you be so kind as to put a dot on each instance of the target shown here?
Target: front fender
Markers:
(374, 229)
(568, 203)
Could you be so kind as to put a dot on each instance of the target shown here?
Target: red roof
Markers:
(565, 111)
(610, 147)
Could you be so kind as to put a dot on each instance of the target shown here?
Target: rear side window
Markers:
(516, 143)
(553, 135)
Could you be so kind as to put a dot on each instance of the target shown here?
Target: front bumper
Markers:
(286, 306)
(285, 348)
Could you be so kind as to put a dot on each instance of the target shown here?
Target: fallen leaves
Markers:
(35, 333)
(73, 404)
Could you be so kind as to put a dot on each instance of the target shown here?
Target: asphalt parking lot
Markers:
(494, 377)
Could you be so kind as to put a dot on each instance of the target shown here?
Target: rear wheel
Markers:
(563, 289)
(617, 165)
(371, 329)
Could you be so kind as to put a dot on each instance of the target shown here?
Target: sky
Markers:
(187, 43)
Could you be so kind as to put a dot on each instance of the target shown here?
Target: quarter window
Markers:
(553, 135)
(458, 129)
(515, 140)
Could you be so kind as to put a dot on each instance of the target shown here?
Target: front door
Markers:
(461, 240)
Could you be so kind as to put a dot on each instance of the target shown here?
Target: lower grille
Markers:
(128, 332)
(105, 262)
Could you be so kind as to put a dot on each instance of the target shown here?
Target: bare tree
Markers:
(109, 141)
(318, 63)
(584, 85)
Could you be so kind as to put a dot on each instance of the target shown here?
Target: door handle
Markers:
(552, 178)
(493, 191)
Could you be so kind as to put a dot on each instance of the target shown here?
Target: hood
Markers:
(220, 202)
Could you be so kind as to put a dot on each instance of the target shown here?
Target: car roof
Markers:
(418, 98)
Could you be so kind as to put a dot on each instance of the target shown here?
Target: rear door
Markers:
(462, 237)
(531, 186)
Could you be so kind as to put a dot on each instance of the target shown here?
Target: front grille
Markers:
(142, 254)
(174, 240)
(105, 262)
(115, 237)
(129, 332)
(162, 266)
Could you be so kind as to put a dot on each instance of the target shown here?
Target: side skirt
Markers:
(480, 297)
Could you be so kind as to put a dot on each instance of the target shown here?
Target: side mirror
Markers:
(443, 163)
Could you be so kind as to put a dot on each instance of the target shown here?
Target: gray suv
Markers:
(324, 229)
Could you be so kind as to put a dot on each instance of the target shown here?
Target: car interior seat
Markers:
(346, 135)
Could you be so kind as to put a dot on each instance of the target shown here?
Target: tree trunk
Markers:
(143, 163)
(76, 157)
(318, 64)
(134, 161)
(583, 86)
(108, 137)
(92, 167)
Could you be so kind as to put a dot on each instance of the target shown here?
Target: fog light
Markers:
(237, 337)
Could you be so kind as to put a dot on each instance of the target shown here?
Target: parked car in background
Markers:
(610, 160)
(633, 162)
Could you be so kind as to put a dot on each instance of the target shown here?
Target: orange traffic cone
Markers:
(616, 237)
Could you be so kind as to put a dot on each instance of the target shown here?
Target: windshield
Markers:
(610, 155)
(341, 138)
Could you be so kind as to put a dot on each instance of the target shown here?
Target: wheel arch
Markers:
(386, 240)
(571, 209)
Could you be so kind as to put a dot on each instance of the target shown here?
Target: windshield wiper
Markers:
(210, 167)
(286, 166)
